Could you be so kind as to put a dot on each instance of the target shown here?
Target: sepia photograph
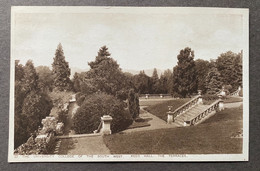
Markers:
(104, 84)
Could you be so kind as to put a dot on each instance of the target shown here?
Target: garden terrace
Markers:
(211, 137)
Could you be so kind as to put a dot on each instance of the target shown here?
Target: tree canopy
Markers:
(104, 75)
(229, 65)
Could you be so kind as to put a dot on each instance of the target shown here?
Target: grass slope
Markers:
(160, 109)
(210, 137)
(233, 99)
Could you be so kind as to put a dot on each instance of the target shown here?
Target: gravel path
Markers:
(154, 121)
(72, 110)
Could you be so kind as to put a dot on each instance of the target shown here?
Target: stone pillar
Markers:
(170, 118)
(106, 122)
(200, 101)
(223, 93)
(239, 89)
(221, 103)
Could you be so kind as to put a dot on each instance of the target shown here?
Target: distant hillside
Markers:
(148, 72)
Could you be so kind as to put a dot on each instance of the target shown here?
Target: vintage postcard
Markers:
(104, 84)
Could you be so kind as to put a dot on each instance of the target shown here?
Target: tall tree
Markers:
(31, 105)
(143, 83)
(213, 81)
(155, 82)
(36, 106)
(163, 87)
(61, 70)
(19, 98)
(45, 81)
(202, 69)
(229, 65)
(104, 74)
(76, 82)
(133, 104)
(184, 74)
(30, 78)
(169, 77)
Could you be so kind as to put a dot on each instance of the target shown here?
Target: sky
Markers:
(137, 41)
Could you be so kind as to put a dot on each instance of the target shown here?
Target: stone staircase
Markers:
(190, 114)
(193, 112)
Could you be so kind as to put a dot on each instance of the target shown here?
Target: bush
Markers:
(122, 94)
(62, 116)
(80, 100)
(209, 97)
(60, 97)
(228, 89)
(87, 117)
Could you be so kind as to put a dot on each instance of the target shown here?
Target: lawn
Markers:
(151, 102)
(233, 99)
(211, 137)
(160, 109)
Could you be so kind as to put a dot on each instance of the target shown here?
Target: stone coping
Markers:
(77, 136)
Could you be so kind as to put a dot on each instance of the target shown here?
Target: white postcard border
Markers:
(134, 157)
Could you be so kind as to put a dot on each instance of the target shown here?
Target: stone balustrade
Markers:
(236, 93)
(214, 107)
(171, 115)
(152, 96)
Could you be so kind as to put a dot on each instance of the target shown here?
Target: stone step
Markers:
(178, 123)
(190, 114)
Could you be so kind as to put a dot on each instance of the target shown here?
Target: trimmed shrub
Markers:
(133, 104)
(87, 117)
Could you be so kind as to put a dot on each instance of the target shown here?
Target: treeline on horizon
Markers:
(105, 82)
(185, 78)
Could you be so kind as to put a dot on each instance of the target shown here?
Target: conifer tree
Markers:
(184, 74)
(104, 75)
(61, 70)
(155, 82)
(30, 78)
(213, 81)
(76, 82)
